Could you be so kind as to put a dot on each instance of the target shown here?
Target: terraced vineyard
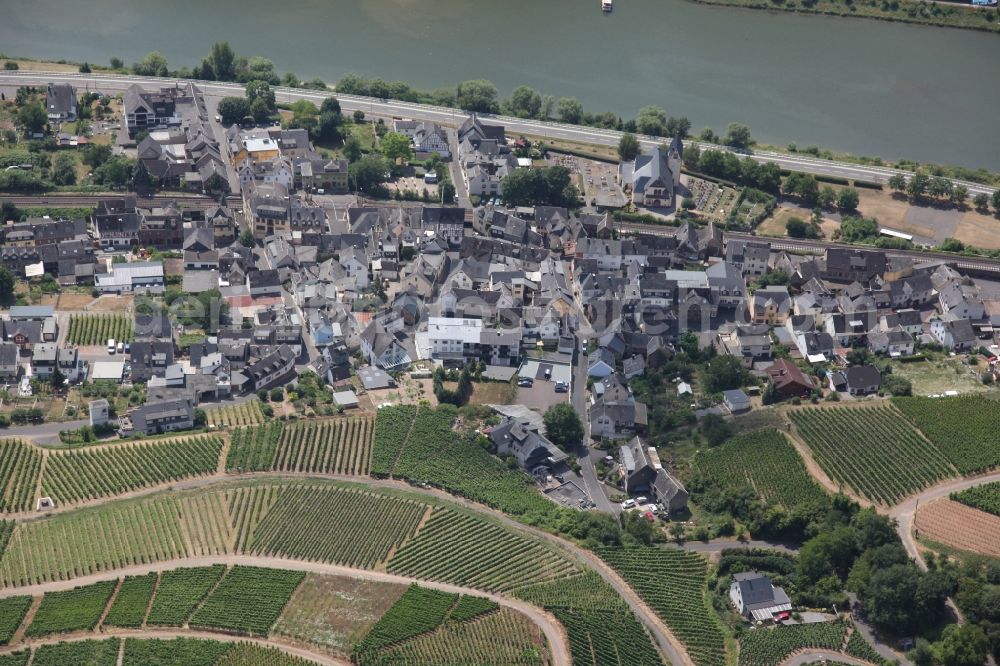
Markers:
(84, 474)
(965, 428)
(858, 647)
(20, 464)
(248, 600)
(673, 582)
(435, 454)
(244, 413)
(129, 607)
(248, 654)
(455, 547)
(175, 652)
(71, 610)
(766, 461)
(985, 497)
(180, 592)
(873, 450)
(769, 647)
(86, 653)
(601, 628)
(12, 612)
(504, 638)
(88, 330)
(334, 446)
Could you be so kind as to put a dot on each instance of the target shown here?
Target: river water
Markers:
(860, 86)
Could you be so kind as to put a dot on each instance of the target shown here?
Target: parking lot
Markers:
(540, 396)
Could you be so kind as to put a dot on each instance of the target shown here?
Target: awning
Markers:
(765, 614)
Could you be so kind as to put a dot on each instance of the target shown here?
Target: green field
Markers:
(674, 584)
(239, 414)
(765, 461)
(247, 601)
(966, 429)
(872, 450)
(83, 474)
(418, 611)
(985, 497)
(71, 610)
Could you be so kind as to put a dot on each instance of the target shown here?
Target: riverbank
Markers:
(934, 13)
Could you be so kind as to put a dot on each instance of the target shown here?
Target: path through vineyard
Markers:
(813, 467)
(554, 632)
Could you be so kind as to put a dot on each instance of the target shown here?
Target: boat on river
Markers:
(606, 5)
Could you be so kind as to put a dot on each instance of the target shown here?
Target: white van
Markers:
(111, 346)
(121, 347)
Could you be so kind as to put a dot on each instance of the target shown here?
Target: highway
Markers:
(372, 106)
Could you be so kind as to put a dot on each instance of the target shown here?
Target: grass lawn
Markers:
(489, 393)
(938, 374)
(606, 153)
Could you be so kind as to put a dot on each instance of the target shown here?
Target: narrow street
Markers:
(587, 456)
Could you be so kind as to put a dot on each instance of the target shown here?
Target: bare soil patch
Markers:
(113, 303)
(959, 526)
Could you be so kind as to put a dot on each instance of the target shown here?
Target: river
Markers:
(860, 86)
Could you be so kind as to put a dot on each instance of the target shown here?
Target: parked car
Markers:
(628, 504)
(111, 346)
(641, 500)
(561, 387)
(525, 381)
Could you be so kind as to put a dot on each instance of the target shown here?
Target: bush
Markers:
(277, 394)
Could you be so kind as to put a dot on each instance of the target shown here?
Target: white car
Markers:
(628, 504)
(641, 500)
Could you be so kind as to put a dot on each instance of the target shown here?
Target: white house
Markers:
(756, 598)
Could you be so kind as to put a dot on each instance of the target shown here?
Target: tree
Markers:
(223, 61)
(903, 599)
(10, 66)
(64, 169)
(85, 68)
(959, 195)
(723, 373)
(32, 118)
(918, 185)
(328, 127)
(996, 200)
(525, 102)
(628, 147)
(570, 110)
(898, 385)
(116, 172)
(714, 429)
(796, 227)
(116, 62)
(827, 197)
(897, 182)
(200, 418)
(154, 64)
(563, 426)
(738, 136)
(95, 154)
(652, 120)
(247, 239)
(330, 105)
(397, 147)
(858, 229)
(551, 186)
(234, 109)
(962, 645)
(352, 148)
(678, 126)
(981, 201)
(258, 89)
(368, 173)
(847, 200)
(9, 212)
(477, 95)
(6, 285)
(259, 110)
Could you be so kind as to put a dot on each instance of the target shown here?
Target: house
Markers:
(643, 474)
(857, 380)
(815, 346)
(756, 598)
(168, 416)
(600, 363)
(70, 365)
(736, 401)
(275, 366)
(788, 380)
(8, 361)
(894, 342)
(654, 178)
(146, 110)
(383, 349)
(99, 411)
(953, 334)
(748, 257)
(770, 305)
(748, 342)
(520, 439)
(909, 320)
(43, 359)
(60, 102)
(129, 277)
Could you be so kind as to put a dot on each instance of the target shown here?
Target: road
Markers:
(719, 545)
(812, 656)
(448, 116)
(587, 456)
(74, 200)
(554, 634)
(44, 433)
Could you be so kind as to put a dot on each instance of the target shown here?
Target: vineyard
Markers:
(457, 548)
(246, 413)
(504, 638)
(20, 464)
(601, 628)
(767, 462)
(89, 330)
(247, 654)
(12, 611)
(84, 474)
(673, 583)
(327, 446)
(872, 450)
(418, 611)
(180, 592)
(71, 610)
(247, 601)
(129, 607)
(435, 454)
(966, 429)
(176, 652)
(89, 653)
(769, 647)
(858, 647)
(985, 497)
